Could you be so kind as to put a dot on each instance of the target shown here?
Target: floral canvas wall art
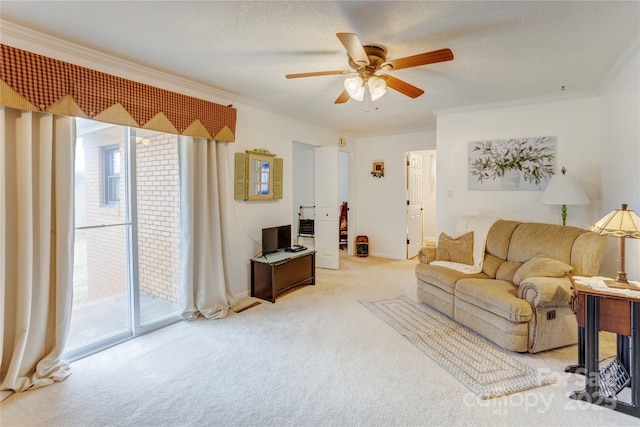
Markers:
(512, 164)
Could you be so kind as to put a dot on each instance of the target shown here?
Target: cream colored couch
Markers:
(533, 316)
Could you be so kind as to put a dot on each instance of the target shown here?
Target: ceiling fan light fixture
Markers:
(377, 87)
(355, 87)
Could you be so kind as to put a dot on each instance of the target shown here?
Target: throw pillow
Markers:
(458, 249)
(541, 266)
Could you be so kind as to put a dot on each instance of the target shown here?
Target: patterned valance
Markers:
(29, 81)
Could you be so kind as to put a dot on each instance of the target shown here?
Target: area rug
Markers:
(487, 370)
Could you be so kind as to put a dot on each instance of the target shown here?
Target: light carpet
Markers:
(477, 363)
(317, 358)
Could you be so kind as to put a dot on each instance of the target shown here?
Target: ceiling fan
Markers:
(366, 61)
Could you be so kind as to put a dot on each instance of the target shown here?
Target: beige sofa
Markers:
(521, 297)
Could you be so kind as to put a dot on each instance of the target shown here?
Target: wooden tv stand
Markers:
(274, 274)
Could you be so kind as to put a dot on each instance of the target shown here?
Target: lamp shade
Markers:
(377, 87)
(564, 190)
(355, 88)
(619, 223)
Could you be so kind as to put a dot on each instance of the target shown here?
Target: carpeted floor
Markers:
(315, 358)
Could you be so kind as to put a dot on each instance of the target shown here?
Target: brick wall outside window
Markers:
(159, 217)
(158, 221)
(105, 247)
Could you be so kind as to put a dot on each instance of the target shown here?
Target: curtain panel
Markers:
(204, 247)
(29, 81)
(36, 247)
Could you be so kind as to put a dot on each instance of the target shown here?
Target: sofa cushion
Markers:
(499, 238)
(513, 336)
(507, 270)
(459, 249)
(541, 266)
(531, 239)
(442, 277)
(499, 297)
(491, 265)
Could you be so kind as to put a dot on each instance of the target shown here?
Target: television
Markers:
(276, 239)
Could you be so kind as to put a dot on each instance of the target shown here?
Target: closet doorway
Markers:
(421, 199)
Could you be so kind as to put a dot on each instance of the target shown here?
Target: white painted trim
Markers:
(386, 255)
(241, 295)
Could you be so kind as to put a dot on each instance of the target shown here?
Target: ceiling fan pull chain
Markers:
(366, 100)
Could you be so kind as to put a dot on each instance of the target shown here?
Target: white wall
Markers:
(620, 151)
(381, 202)
(576, 122)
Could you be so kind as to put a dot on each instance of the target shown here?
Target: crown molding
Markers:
(33, 41)
(517, 102)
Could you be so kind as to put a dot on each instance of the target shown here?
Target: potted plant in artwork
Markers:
(510, 160)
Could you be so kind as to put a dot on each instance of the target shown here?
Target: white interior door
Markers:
(326, 223)
(414, 204)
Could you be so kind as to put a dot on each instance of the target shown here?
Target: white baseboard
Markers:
(241, 295)
(429, 240)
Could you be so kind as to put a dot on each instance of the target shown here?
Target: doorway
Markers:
(421, 199)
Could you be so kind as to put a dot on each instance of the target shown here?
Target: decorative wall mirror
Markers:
(258, 176)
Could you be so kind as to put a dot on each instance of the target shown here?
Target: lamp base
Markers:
(620, 285)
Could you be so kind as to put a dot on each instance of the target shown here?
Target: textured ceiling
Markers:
(503, 50)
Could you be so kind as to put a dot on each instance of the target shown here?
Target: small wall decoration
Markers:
(511, 164)
(378, 169)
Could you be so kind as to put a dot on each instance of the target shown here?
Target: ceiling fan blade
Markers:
(402, 86)
(354, 48)
(318, 73)
(342, 98)
(421, 59)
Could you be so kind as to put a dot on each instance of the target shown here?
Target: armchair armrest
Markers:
(546, 291)
(426, 254)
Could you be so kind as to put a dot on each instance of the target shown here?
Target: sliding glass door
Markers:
(127, 242)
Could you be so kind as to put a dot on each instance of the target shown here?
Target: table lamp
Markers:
(620, 223)
(564, 190)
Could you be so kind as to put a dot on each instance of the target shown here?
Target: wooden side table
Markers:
(601, 308)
